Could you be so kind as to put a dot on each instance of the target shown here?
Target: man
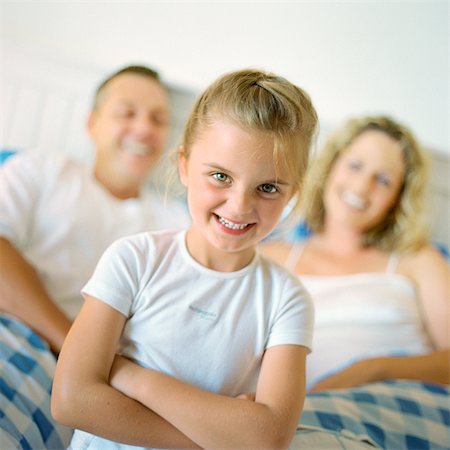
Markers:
(58, 216)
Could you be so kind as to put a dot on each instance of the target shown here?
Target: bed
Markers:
(388, 415)
(26, 372)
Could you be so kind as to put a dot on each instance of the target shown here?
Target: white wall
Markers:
(351, 56)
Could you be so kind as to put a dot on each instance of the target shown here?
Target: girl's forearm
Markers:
(211, 420)
(101, 410)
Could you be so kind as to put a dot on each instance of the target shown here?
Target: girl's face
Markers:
(365, 181)
(234, 195)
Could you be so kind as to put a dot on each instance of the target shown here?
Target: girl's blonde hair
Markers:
(265, 103)
(403, 227)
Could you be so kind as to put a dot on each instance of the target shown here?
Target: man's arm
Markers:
(23, 296)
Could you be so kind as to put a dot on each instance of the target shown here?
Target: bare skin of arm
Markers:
(217, 421)
(432, 368)
(82, 397)
(168, 412)
(23, 296)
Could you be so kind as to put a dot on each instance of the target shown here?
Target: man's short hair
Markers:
(137, 70)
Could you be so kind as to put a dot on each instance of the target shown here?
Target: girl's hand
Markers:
(247, 396)
(123, 375)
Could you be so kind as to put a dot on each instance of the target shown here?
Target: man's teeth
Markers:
(136, 148)
(232, 225)
(353, 200)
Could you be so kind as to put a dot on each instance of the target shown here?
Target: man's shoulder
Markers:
(44, 161)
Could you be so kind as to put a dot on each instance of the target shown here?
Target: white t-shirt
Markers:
(207, 328)
(61, 220)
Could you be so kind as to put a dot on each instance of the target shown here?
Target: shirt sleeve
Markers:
(294, 319)
(117, 277)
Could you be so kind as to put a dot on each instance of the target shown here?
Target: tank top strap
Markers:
(294, 255)
(392, 264)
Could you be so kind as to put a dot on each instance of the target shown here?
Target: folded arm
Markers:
(217, 421)
(82, 397)
(23, 296)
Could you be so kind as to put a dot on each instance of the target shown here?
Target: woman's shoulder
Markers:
(422, 261)
(276, 250)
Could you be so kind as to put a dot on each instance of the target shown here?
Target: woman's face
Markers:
(365, 181)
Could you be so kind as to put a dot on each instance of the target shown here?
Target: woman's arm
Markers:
(216, 421)
(82, 397)
(433, 368)
(431, 274)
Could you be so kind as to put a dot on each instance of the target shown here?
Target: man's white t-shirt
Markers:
(207, 328)
(61, 219)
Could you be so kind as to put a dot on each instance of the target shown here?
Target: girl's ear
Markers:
(182, 165)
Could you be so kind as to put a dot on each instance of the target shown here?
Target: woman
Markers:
(381, 291)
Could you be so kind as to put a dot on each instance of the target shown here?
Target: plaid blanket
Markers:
(26, 372)
(390, 415)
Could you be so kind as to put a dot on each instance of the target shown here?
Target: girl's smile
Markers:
(233, 227)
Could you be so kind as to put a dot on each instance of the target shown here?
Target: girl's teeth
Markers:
(232, 225)
(353, 200)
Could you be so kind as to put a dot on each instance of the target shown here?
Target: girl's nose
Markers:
(242, 202)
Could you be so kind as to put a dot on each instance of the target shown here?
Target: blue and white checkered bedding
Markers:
(391, 415)
(26, 372)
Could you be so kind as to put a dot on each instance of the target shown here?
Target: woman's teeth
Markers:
(232, 225)
(353, 200)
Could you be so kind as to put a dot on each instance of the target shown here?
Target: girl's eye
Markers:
(268, 188)
(219, 176)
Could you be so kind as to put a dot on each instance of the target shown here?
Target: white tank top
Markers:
(361, 315)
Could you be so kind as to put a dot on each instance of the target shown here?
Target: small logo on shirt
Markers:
(207, 315)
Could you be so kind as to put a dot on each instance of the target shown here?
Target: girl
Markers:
(203, 318)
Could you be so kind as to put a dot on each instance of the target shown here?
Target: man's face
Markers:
(130, 125)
